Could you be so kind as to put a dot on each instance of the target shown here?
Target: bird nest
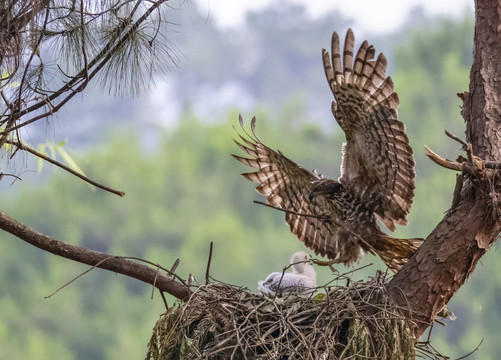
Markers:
(221, 321)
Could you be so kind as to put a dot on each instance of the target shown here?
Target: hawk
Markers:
(338, 219)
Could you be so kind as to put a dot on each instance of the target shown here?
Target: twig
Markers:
(446, 163)
(173, 275)
(466, 146)
(79, 276)
(207, 270)
(460, 166)
(164, 300)
(174, 266)
(4, 174)
(122, 257)
(458, 139)
(21, 146)
(154, 283)
(169, 272)
(288, 211)
(471, 352)
(280, 282)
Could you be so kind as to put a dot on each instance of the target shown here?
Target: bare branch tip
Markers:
(207, 271)
(439, 160)
(458, 139)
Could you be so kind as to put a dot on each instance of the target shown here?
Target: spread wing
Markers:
(378, 163)
(287, 185)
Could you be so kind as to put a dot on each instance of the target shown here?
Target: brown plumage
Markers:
(337, 219)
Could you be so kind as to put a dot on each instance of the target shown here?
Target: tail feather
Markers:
(395, 252)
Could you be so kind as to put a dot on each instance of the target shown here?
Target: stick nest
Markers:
(221, 321)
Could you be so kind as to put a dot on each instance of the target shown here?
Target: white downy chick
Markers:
(302, 281)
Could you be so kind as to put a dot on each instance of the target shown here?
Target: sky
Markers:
(368, 15)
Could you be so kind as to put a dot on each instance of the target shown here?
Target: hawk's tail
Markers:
(395, 252)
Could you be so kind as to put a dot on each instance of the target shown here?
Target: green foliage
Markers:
(58, 149)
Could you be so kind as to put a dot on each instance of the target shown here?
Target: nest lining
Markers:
(221, 321)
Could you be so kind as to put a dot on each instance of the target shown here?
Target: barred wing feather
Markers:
(378, 164)
(287, 185)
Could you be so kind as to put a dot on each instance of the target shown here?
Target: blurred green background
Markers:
(169, 150)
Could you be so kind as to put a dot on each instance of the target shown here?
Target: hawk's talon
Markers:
(326, 263)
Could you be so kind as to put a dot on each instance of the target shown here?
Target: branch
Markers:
(102, 58)
(462, 165)
(446, 163)
(116, 264)
(21, 146)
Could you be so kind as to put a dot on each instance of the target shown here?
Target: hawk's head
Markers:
(325, 187)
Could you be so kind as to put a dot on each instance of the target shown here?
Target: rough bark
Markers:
(116, 264)
(450, 253)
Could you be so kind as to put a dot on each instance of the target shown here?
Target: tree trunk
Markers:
(450, 253)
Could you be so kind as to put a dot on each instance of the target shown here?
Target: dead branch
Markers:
(446, 163)
(207, 271)
(462, 165)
